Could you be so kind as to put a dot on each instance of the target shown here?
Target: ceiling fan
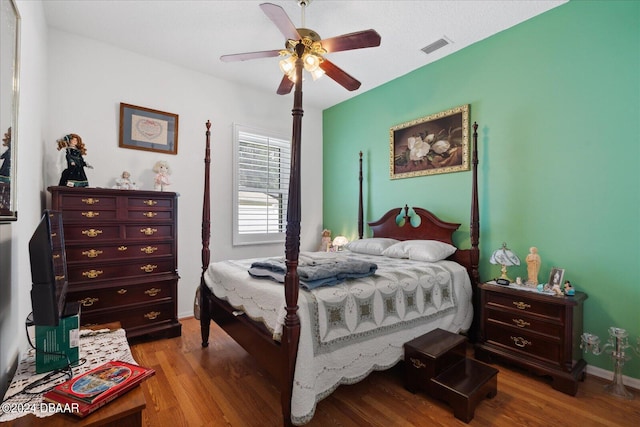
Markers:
(311, 50)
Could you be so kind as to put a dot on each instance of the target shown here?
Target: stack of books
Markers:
(93, 389)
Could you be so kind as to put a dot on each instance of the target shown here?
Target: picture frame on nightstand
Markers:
(556, 277)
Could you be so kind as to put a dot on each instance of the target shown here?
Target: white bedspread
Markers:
(349, 330)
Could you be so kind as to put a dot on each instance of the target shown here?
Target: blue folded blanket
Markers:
(312, 276)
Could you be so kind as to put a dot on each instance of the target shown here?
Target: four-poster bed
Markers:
(273, 336)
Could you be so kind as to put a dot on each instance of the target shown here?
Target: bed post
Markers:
(205, 316)
(360, 210)
(475, 214)
(291, 327)
(475, 237)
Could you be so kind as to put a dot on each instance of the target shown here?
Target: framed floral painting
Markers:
(435, 144)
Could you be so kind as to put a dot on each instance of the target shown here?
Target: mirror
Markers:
(9, 78)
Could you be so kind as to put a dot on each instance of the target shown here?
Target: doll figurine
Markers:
(73, 175)
(5, 169)
(568, 289)
(125, 182)
(162, 170)
(325, 243)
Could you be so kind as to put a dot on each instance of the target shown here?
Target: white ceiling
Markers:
(194, 34)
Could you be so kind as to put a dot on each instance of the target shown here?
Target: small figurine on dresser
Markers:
(162, 170)
(5, 169)
(73, 175)
(533, 266)
(556, 289)
(125, 182)
(568, 289)
(325, 243)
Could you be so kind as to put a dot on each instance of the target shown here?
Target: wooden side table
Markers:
(537, 331)
(125, 411)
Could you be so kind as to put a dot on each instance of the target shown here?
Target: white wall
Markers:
(15, 274)
(87, 82)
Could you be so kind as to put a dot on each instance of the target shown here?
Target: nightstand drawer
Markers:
(522, 321)
(523, 304)
(522, 341)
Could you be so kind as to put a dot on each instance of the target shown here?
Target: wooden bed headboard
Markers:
(430, 227)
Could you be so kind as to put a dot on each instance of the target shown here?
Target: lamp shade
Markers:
(504, 256)
(340, 241)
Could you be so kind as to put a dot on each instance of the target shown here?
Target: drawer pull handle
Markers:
(90, 201)
(88, 302)
(521, 323)
(58, 278)
(54, 234)
(92, 253)
(92, 274)
(148, 231)
(56, 256)
(122, 291)
(152, 315)
(520, 342)
(91, 214)
(150, 202)
(148, 250)
(152, 292)
(92, 232)
(148, 268)
(521, 305)
(417, 363)
(122, 248)
(149, 214)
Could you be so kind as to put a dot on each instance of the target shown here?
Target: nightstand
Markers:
(537, 331)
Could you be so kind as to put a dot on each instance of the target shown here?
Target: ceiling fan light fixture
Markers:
(288, 65)
(317, 73)
(311, 62)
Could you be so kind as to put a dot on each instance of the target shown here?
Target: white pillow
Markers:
(372, 246)
(420, 250)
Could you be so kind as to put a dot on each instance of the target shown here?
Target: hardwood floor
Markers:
(220, 386)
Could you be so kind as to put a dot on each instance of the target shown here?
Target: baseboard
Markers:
(608, 375)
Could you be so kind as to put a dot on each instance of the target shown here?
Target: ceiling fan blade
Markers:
(285, 86)
(339, 75)
(249, 55)
(281, 19)
(357, 40)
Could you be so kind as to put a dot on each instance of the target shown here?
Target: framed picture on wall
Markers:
(146, 129)
(435, 144)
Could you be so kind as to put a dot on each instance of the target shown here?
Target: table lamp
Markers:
(339, 242)
(505, 258)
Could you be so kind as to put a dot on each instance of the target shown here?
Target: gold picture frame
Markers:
(146, 129)
(435, 144)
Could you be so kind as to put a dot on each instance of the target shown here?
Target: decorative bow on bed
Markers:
(315, 269)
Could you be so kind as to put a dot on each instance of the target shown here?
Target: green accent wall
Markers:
(557, 100)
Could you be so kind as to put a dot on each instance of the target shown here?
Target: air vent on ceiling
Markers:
(436, 45)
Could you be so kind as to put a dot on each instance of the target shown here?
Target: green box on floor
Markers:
(58, 346)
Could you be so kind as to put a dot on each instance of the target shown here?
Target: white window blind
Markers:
(261, 170)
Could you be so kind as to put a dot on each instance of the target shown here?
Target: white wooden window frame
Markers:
(274, 230)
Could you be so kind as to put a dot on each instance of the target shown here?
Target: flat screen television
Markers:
(48, 270)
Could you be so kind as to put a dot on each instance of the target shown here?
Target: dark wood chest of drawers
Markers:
(121, 248)
(537, 331)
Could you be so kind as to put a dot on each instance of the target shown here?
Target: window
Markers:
(262, 164)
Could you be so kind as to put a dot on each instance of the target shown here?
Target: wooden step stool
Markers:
(437, 364)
